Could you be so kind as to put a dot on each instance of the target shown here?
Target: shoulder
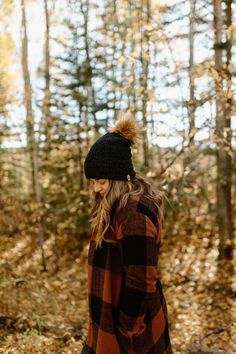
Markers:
(138, 207)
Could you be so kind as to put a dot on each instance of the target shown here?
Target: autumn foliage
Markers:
(67, 70)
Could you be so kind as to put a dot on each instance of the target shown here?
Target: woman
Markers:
(127, 308)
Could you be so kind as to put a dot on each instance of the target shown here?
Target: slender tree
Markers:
(192, 103)
(223, 136)
(47, 92)
(27, 92)
(145, 17)
(31, 144)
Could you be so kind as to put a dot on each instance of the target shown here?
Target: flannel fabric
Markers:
(128, 311)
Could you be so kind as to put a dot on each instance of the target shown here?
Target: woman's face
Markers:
(101, 186)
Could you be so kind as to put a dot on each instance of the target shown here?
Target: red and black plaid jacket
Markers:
(127, 308)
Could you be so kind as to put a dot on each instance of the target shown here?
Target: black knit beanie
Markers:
(110, 156)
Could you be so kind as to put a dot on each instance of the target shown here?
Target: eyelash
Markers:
(102, 183)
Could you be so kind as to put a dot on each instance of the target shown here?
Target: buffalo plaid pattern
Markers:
(128, 311)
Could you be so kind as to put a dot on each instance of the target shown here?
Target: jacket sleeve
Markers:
(139, 243)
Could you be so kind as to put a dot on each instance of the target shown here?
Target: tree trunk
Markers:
(223, 143)
(192, 102)
(191, 108)
(27, 93)
(47, 94)
(30, 128)
(144, 58)
(89, 88)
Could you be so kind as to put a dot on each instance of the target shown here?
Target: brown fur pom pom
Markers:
(128, 127)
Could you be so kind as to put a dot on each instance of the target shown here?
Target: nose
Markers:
(97, 188)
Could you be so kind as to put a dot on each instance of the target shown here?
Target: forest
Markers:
(68, 69)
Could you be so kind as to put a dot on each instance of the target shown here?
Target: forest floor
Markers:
(46, 312)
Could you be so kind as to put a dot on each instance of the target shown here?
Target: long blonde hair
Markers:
(117, 196)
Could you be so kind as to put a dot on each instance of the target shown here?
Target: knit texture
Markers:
(110, 158)
(128, 312)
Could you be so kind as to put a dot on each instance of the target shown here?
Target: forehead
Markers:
(101, 180)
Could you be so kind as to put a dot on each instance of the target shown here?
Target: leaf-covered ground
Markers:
(47, 312)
